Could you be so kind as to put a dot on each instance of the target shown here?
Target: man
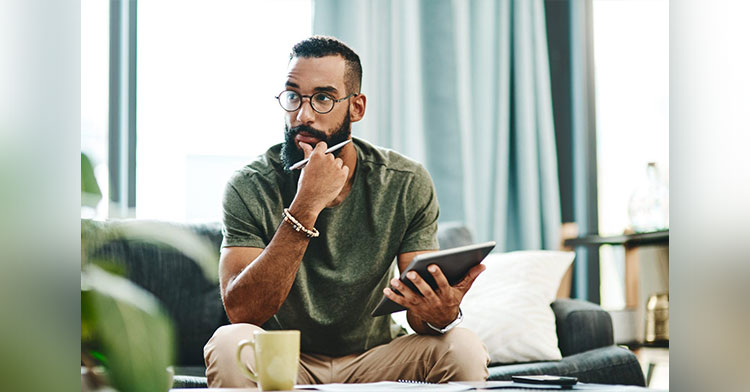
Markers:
(313, 249)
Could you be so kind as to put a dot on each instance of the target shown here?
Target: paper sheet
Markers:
(385, 386)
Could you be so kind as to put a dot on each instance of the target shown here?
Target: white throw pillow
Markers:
(508, 306)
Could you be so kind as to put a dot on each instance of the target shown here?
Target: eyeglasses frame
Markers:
(309, 99)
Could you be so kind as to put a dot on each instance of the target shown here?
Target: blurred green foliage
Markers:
(129, 327)
(90, 192)
(124, 328)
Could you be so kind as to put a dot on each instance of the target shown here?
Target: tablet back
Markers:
(455, 264)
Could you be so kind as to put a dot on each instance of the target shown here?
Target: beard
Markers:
(291, 153)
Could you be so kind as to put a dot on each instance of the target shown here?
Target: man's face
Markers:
(308, 76)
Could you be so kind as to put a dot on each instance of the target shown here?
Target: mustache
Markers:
(308, 130)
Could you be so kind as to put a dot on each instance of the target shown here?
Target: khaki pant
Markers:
(458, 355)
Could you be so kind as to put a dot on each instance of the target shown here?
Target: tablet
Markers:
(455, 264)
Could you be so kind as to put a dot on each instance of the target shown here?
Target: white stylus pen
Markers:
(303, 162)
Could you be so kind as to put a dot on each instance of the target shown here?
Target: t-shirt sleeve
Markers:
(421, 233)
(241, 224)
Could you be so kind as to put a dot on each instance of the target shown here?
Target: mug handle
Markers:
(250, 373)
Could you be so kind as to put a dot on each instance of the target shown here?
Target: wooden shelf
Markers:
(627, 240)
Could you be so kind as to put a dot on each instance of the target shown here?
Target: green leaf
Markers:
(133, 331)
(90, 192)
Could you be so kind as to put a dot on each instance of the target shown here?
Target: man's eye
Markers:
(322, 98)
(292, 96)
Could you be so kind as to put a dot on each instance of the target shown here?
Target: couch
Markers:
(584, 330)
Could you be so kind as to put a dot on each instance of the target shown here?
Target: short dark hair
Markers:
(321, 46)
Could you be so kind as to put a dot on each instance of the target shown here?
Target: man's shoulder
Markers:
(381, 158)
(265, 167)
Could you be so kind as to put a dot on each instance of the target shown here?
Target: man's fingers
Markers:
(476, 270)
(409, 296)
(306, 149)
(470, 277)
(390, 294)
(422, 286)
(322, 147)
(442, 282)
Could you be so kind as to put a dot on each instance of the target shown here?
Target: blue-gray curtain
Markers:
(463, 87)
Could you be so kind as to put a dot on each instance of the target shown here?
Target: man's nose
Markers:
(305, 114)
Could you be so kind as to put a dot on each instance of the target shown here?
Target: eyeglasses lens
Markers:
(291, 101)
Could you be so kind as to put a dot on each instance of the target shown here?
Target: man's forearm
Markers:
(258, 291)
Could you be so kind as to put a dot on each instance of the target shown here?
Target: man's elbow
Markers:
(243, 311)
(237, 311)
(234, 314)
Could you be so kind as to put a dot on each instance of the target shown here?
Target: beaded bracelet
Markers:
(298, 226)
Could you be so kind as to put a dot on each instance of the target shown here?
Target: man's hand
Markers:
(438, 307)
(323, 177)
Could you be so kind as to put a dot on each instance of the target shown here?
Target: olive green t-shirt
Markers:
(391, 209)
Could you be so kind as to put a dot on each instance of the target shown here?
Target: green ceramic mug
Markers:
(276, 359)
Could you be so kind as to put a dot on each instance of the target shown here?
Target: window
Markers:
(208, 72)
(95, 94)
(631, 59)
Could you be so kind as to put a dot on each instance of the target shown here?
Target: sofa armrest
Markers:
(581, 326)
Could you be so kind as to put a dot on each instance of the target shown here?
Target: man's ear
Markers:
(357, 107)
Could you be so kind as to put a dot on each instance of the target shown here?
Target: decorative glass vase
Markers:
(648, 209)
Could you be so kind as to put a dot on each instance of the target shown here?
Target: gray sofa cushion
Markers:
(453, 234)
(605, 365)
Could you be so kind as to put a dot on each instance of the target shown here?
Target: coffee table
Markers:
(496, 387)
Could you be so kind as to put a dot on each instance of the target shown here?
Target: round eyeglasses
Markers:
(322, 103)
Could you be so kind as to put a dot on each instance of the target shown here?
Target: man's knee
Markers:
(220, 355)
(232, 334)
(460, 356)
